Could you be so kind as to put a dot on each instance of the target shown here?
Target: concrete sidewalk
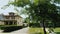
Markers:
(22, 31)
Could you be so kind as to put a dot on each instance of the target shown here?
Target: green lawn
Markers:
(40, 31)
(35, 31)
(57, 30)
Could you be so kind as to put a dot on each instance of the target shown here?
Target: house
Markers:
(11, 19)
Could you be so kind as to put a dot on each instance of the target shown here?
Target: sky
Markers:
(8, 9)
(5, 11)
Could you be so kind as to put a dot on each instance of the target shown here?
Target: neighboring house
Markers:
(11, 19)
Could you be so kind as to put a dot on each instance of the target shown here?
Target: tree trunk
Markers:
(43, 26)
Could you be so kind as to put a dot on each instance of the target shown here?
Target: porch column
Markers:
(13, 22)
(8, 23)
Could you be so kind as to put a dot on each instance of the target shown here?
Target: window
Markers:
(12, 17)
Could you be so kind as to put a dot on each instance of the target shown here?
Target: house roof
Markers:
(2, 16)
(12, 15)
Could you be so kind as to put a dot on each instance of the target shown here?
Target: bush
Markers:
(12, 28)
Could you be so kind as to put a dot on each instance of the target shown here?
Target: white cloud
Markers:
(9, 9)
(3, 2)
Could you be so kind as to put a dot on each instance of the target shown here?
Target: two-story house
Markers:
(11, 19)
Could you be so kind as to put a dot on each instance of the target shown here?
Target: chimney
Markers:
(11, 13)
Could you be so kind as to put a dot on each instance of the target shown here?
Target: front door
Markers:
(10, 22)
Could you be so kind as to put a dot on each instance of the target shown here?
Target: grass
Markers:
(57, 30)
(36, 31)
(40, 31)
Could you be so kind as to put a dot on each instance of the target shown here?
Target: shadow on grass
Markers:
(36, 33)
(57, 32)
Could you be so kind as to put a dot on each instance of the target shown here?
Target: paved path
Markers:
(21, 31)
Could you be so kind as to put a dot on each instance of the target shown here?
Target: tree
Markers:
(39, 10)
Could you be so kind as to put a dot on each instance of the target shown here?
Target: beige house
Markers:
(11, 19)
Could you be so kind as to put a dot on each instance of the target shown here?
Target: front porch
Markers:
(10, 22)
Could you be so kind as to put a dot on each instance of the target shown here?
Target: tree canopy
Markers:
(40, 9)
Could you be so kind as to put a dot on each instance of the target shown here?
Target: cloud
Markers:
(9, 9)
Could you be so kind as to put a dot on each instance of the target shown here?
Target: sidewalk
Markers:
(22, 31)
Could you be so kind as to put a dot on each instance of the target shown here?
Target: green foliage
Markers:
(20, 2)
(57, 1)
(26, 2)
(40, 9)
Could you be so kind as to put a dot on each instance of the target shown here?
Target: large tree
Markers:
(39, 10)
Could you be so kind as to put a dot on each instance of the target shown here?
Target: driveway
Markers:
(21, 31)
(24, 31)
